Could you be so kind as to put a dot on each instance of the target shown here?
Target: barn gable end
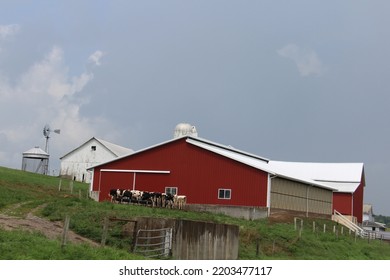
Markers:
(92, 152)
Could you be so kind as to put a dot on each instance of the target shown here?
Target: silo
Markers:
(185, 129)
(35, 160)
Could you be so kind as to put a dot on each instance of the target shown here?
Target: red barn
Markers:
(214, 176)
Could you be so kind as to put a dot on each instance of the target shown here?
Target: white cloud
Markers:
(44, 93)
(49, 78)
(307, 61)
(96, 57)
(8, 30)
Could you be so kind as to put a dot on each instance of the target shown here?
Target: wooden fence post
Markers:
(314, 226)
(71, 187)
(59, 185)
(273, 247)
(65, 231)
(105, 231)
(324, 228)
(134, 236)
(300, 229)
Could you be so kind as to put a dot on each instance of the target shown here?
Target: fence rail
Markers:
(349, 224)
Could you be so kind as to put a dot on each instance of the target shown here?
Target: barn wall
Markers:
(243, 212)
(342, 202)
(296, 196)
(197, 173)
(350, 204)
(358, 197)
(75, 164)
(117, 180)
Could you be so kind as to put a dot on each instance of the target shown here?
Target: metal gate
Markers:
(153, 242)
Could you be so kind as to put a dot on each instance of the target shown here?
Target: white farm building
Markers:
(95, 151)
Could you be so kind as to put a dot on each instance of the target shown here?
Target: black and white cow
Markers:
(126, 196)
(156, 198)
(113, 194)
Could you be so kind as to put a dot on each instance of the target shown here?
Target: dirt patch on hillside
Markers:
(33, 223)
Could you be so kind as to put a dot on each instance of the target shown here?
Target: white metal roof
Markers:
(253, 161)
(116, 149)
(345, 177)
(113, 148)
(35, 152)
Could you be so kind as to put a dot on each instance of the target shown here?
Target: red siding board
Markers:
(350, 203)
(358, 203)
(196, 172)
(342, 202)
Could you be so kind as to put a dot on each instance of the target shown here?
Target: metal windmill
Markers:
(46, 133)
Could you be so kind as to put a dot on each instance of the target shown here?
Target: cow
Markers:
(126, 196)
(113, 194)
(167, 200)
(179, 201)
(146, 198)
(136, 196)
(156, 198)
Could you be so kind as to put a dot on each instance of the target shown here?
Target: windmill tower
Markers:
(46, 133)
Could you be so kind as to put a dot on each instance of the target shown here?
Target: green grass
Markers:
(22, 245)
(21, 192)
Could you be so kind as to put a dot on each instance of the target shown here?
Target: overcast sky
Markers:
(286, 80)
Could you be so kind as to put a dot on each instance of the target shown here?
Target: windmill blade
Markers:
(46, 130)
(57, 131)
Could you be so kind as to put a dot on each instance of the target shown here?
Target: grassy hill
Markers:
(23, 194)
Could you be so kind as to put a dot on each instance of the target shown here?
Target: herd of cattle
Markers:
(154, 199)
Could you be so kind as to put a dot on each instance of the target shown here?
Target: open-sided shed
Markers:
(347, 179)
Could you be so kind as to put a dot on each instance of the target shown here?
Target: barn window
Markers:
(171, 190)
(93, 148)
(224, 193)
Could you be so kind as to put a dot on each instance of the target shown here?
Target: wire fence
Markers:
(338, 230)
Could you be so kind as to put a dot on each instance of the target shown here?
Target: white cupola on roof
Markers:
(185, 129)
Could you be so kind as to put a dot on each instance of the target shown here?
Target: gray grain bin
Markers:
(35, 160)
